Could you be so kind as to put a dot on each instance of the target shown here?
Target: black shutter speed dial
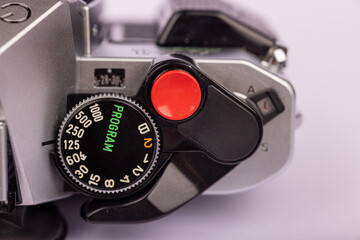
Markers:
(107, 145)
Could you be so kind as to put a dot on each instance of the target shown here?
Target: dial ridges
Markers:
(71, 175)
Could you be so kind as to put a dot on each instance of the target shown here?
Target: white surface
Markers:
(318, 196)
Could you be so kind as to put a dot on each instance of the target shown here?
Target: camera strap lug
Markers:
(275, 58)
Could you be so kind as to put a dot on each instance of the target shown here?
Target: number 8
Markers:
(109, 183)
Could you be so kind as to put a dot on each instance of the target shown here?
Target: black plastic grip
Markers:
(186, 176)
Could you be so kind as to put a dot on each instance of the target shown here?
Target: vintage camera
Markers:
(140, 118)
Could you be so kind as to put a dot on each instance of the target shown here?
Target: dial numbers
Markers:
(108, 145)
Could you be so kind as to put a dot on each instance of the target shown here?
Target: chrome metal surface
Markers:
(135, 72)
(238, 76)
(2, 115)
(56, 51)
(3, 163)
(92, 27)
(11, 32)
(37, 71)
(275, 59)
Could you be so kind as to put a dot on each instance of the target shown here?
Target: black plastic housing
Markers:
(193, 165)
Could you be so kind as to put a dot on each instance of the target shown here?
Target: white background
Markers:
(318, 196)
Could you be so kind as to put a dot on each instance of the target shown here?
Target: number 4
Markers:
(125, 179)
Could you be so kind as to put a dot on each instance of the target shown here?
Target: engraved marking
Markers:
(147, 143)
(6, 17)
(145, 158)
(125, 179)
(265, 147)
(143, 128)
(251, 90)
(137, 171)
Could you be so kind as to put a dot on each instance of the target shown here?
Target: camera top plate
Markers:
(62, 72)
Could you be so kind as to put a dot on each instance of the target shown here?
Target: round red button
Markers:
(176, 95)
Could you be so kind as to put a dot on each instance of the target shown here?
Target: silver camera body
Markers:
(51, 49)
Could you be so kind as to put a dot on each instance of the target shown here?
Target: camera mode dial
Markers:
(107, 145)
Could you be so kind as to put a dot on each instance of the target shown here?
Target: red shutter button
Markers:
(176, 95)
